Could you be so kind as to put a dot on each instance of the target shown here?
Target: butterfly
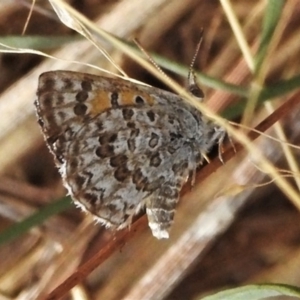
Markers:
(122, 146)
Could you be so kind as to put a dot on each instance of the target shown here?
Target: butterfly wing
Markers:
(68, 100)
(118, 145)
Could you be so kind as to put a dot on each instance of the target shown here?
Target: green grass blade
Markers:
(35, 219)
(254, 292)
(38, 41)
(271, 19)
(278, 89)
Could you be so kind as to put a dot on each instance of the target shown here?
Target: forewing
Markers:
(69, 100)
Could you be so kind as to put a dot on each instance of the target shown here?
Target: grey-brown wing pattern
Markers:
(121, 146)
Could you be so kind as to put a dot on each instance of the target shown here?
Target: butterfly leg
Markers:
(220, 135)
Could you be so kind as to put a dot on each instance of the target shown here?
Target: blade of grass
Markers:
(238, 32)
(254, 292)
(278, 89)
(271, 19)
(35, 219)
(270, 22)
(38, 41)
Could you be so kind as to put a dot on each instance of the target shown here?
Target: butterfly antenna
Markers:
(151, 59)
(193, 86)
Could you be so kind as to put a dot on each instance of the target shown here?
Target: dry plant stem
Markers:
(275, 42)
(290, 157)
(219, 100)
(230, 52)
(261, 73)
(238, 32)
(124, 236)
(29, 17)
(83, 271)
(62, 266)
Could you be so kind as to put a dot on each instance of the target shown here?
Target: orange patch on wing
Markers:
(128, 98)
(100, 103)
